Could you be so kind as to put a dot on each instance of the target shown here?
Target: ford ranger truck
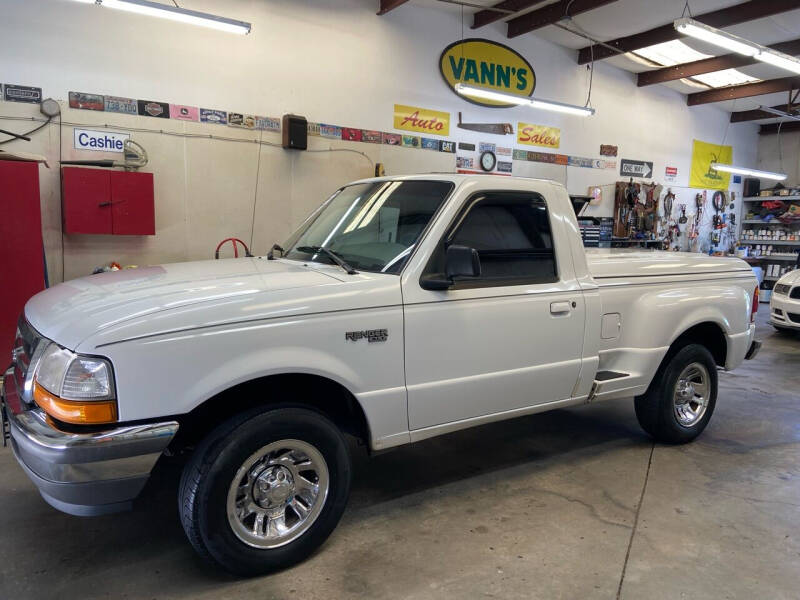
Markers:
(402, 309)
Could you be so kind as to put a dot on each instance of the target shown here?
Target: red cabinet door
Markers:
(21, 252)
(132, 204)
(86, 200)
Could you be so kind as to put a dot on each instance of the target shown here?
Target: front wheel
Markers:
(265, 489)
(681, 398)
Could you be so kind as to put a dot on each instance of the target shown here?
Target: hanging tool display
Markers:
(636, 210)
(718, 201)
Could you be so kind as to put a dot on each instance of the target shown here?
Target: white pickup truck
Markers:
(403, 308)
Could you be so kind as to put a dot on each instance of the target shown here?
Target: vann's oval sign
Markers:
(487, 64)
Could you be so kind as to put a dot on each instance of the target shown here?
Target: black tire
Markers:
(655, 408)
(207, 477)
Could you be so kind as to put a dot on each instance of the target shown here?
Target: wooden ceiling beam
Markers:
(742, 116)
(387, 5)
(725, 17)
(746, 90)
(709, 65)
(550, 14)
(488, 16)
(772, 128)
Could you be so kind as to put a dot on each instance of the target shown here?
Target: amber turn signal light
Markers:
(89, 412)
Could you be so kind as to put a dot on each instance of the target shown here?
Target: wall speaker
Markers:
(295, 132)
(752, 187)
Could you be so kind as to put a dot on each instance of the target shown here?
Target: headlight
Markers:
(74, 388)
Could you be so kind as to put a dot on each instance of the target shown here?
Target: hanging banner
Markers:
(487, 64)
(421, 120)
(538, 135)
(702, 175)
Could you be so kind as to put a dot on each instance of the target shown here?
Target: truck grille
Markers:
(794, 317)
(795, 293)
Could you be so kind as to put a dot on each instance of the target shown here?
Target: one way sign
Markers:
(636, 168)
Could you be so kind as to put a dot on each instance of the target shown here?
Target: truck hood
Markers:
(69, 312)
(606, 263)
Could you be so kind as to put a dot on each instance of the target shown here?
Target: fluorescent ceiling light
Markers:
(779, 59)
(734, 43)
(174, 13)
(487, 94)
(779, 113)
(715, 36)
(750, 172)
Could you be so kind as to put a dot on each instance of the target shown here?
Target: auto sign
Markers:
(487, 64)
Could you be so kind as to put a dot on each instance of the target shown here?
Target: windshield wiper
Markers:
(330, 254)
(271, 253)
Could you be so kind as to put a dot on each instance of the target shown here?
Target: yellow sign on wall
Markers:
(538, 135)
(487, 64)
(421, 120)
(702, 175)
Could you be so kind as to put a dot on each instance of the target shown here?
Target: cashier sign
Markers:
(99, 141)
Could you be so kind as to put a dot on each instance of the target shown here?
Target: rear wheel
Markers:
(681, 398)
(265, 489)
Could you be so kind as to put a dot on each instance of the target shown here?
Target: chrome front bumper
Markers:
(82, 473)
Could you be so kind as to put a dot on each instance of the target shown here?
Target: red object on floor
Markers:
(102, 201)
(21, 249)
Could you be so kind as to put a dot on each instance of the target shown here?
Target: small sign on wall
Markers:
(99, 141)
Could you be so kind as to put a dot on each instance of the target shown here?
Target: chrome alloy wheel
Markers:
(692, 394)
(278, 493)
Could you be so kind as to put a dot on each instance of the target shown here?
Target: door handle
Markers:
(559, 308)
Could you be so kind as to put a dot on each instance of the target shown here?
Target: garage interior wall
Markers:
(781, 153)
(333, 62)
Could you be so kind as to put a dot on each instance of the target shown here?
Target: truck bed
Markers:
(608, 263)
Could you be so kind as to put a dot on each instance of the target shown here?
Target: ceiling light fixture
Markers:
(734, 43)
(487, 94)
(715, 36)
(175, 13)
(779, 113)
(780, 60)
(749, 172)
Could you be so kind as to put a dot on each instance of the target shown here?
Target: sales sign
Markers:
(538, 135)
(99, 141)
(636, 168)
(421, 120)
(487, 64)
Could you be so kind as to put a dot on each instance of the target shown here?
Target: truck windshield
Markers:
(372, 226)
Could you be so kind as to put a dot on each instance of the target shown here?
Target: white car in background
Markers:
(784, 304)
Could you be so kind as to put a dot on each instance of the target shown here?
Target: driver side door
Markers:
(503, 341)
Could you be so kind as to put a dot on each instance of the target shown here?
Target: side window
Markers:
(511, 232)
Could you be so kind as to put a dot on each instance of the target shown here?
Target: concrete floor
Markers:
(569, 504)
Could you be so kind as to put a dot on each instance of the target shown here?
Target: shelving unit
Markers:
(768, 198)
(770, 242)
(789, 248)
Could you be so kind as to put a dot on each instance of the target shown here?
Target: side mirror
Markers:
(461, 261)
